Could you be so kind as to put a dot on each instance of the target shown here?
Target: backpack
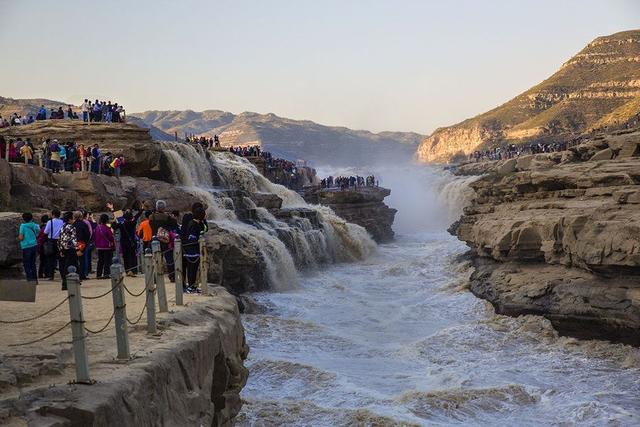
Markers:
(163, 235)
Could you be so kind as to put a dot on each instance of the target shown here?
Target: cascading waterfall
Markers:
(283, 245)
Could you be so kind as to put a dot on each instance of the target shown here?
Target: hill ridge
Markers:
(587, 88)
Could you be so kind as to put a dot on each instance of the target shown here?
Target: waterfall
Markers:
(455, 193)
(285, 247)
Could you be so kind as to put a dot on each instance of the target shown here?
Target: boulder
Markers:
(94, 191)
(10, 253)
(5, 184)
(606, 154)
(506, 167)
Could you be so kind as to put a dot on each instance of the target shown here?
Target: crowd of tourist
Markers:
(205, 142)
(345, 182)
(102, 111)
(511, 151)
(83, 239)
(62, 157)
(98, 111)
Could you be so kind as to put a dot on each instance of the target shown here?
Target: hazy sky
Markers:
(378, 65)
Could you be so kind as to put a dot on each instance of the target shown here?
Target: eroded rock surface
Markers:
(559, 235)
(364, 206)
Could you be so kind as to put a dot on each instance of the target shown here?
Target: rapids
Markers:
(209, 174)
(397, 339)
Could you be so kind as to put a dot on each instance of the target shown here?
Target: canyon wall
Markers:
(597, 88)
(558, 235)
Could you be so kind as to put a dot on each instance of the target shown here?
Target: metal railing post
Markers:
(163, 306)
(119, 308)
(150, 286)
(77, 327)
(203, 266)
(177, 260)
(140, 251)
(117, 236)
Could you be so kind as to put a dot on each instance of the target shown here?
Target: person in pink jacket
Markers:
(105, 245)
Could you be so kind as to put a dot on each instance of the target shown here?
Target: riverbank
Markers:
(191, 372)
(558, 235)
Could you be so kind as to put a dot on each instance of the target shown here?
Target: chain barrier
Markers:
(103, 328)
(13, 322)
(104, 294)
(41, 338)
(144, 308)
(131, 293)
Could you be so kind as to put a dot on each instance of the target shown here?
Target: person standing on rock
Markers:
(195, 227)
(50, 246)
(28, 237)
(161, 225)
(95, 162)
(86, 106)
(42, 237)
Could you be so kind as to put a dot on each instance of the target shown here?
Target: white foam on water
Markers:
(394, 340)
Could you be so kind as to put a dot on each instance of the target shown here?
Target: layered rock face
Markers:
(141, 153)
(598, 87)
(559, 235)
(364, 206)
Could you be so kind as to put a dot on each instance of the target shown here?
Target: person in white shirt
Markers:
(86, 107)
(51, 253)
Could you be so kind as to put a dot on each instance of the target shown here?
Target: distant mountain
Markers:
(290, 139)
(600, 86)
(27, 107)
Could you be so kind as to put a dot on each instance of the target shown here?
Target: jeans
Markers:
(29, 262)
(86, 259)
(85, 116)
(192, 265)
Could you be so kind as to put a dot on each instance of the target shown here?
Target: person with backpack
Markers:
(68, 247)
(195, 227)
(161, 225)
(50, 245)
(28, 237)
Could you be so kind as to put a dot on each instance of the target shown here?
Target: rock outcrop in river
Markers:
(558, 235)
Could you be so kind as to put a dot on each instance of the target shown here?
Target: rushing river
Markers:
(397, 339)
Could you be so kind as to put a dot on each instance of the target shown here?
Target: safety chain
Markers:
(103, 328)
(139, 317)
(12, 322)
(104, 294)
(42, 338)
(131, 293)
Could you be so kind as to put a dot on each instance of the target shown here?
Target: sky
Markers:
(400, 65)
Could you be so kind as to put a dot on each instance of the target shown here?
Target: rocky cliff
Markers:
(191, 375)
(364, 206)
(598, 87)
(558, 235)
